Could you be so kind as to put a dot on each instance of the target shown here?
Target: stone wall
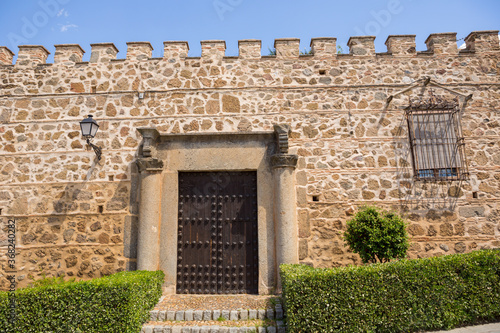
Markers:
(78, 216)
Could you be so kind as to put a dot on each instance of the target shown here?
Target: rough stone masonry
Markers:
(346, 115)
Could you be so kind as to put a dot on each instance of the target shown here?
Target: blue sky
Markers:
(49, 22)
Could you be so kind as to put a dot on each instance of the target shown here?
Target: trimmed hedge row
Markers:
(115, 303)
(401, 296)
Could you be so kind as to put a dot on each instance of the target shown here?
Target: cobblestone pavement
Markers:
(487, 328)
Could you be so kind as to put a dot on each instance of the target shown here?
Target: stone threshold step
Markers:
(210, 329)
(207, 315)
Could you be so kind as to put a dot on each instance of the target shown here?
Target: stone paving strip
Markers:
(210, 314)
(211, 329)
(205, 315)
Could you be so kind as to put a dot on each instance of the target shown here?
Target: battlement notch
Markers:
(324, 47)
(6, 56)
(32, 55)
(68, 54)
(287, 48)
(249, 48)
(442, 43)
(175, 50)
(399, 45)
(361, 45)
(482, 41)
(213, 49)
(103, 52)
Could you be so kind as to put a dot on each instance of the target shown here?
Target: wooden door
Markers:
(217, 233)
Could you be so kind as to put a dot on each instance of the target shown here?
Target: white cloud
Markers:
(62, 12)
(66, 27)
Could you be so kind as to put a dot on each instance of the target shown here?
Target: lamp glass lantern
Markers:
(89, 127)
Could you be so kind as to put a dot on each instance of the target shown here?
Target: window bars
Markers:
(436, 141)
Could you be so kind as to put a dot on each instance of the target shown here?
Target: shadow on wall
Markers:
(88, 224)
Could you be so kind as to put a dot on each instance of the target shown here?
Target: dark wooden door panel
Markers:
(217, 233)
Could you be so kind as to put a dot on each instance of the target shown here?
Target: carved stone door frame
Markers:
(162, 156)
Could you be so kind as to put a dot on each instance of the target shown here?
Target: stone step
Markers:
(280, 328)
(206, 315)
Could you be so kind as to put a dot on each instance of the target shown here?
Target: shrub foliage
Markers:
(377, 235)
(401, 296)
(115, 303)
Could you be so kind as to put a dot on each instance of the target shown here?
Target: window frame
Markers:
(437, 145)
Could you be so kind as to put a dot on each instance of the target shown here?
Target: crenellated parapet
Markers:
(68, 54)
(103, 52)
(249, 48)
(213, 49)
(287, 48)
(322, 48)
(139, 51)
(361, 45)
(6, 56)
(401, 45)
(444, 43)
(31, 55)
(482, 41)
(174, 51)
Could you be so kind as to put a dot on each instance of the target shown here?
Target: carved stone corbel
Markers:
(149, 135)
(282, 131)
(149, 161)
(282, 159)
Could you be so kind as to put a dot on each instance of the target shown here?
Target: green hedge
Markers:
(115, 303)
(401, 296)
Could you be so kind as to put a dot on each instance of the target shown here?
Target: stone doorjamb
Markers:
(162, 156)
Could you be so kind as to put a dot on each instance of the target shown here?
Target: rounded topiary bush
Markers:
(377, 235)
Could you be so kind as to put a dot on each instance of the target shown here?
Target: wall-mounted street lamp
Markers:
(89, 129)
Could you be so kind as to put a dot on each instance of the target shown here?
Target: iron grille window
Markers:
(436, 141)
